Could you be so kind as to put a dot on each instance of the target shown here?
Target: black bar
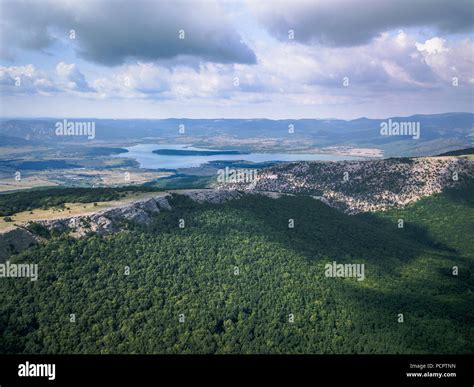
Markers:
(307, 370)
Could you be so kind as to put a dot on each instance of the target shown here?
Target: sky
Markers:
(250, 59)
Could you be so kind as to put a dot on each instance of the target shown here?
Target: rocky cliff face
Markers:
(106, 221)
(139, 212)
(211, 196)
(363, 186)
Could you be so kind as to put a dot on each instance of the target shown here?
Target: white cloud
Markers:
(432, 46)
(29, 80)
(24, 80)
(391, 67)
(390, 64)
(69, 77)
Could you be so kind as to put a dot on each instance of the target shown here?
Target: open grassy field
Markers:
(28, 182)
(70, 209)
(81, 178)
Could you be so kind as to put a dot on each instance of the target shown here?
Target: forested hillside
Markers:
(228, 281)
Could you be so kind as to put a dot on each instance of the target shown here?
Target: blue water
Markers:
(143, 155)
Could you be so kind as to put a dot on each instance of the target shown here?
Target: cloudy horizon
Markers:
(267, 59)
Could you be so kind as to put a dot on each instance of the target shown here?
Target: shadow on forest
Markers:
(441, 320)
(323, 231)
(463, 194)
(322, 234)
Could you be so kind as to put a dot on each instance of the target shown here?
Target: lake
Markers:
(142, 153)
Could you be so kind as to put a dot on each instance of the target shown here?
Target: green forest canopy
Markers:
(190, 271)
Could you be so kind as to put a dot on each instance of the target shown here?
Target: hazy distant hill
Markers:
(460, 152)
(439, 132)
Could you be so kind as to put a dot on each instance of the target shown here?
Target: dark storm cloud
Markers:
(350, 22)
(111, 32)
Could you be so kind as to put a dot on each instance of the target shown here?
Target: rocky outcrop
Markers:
(106, 221)
(363, 186)
(211, 195)
(139, 212)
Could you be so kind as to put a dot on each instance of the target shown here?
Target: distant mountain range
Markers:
(460, 152)
(438, 132)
